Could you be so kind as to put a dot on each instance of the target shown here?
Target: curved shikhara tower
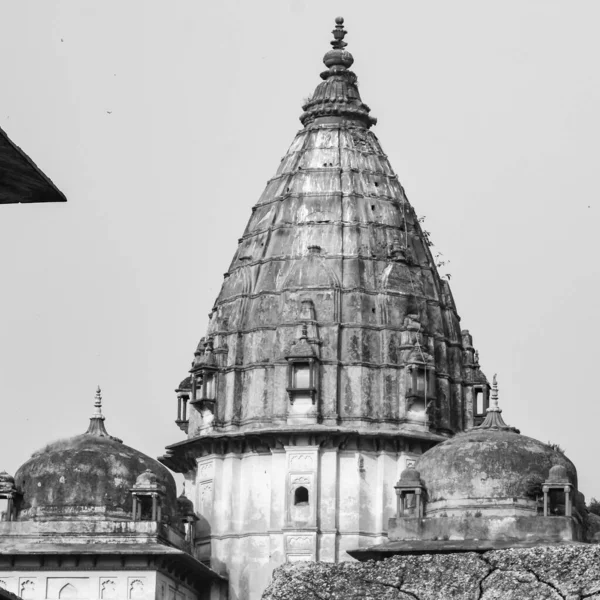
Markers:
(333, 355)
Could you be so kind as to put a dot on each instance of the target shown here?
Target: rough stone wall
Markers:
(551, 573)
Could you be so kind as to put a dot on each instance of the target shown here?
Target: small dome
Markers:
(185, 506)
(146, 480)
(186, 384)
(7, 482)
(488, 468)
(6, 478)
(558, 474)
(88, 476)
(410, 475)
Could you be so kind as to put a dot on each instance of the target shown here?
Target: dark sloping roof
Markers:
(20, 179)
(6, 595)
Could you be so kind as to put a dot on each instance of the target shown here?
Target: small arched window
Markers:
(301, 496)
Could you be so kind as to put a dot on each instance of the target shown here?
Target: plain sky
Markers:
(162, 122)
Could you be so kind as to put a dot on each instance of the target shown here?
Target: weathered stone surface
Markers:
(87, 476)
(488, 464)
(566, 572)
(333, 357)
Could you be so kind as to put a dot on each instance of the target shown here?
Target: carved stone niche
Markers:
(303, 380)
(301, 488)
(300, 546)
(302, 498)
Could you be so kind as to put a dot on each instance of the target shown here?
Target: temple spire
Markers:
(493, 418)
(96, 426)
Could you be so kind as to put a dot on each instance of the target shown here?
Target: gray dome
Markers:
(87, 476)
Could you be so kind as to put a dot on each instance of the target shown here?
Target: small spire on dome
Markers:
(494, 406)
(339, 33)
(493, 418)
(98, 405)
(96, 426)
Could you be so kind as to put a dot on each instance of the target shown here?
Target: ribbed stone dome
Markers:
(88, 476)
(333, 244)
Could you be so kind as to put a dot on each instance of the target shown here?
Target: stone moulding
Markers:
(183, 456)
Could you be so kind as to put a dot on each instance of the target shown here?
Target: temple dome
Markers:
(88, 476)
(410, 476)
(491, 468)
(6, 479)
(185, 506)
(484, 466)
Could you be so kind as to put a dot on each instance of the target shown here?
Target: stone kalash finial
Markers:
(493, 418)
(337, 95)
(96, 426)
(339, 33)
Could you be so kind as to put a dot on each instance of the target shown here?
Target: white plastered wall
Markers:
(248, 501)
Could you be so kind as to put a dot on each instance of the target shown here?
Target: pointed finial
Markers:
(337, 96)
(98, 405)
(304, 331)
(339, 33)
(493, 418)
(96, 426)
(494, 396)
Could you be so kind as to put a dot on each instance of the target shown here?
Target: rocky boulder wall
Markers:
(551, 572)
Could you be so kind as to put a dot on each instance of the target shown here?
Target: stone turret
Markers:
(333, 355)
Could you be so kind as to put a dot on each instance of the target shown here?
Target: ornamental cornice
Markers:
(184, 456)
